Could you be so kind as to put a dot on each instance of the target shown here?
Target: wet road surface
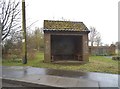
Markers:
(104, 79)
(11, 85)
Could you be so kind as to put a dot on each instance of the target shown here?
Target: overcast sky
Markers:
(101, 14)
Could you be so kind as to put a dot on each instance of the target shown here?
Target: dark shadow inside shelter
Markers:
(66, 47)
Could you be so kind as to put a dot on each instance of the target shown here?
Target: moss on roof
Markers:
(64, 25)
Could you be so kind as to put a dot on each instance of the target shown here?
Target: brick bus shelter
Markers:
(65, 41)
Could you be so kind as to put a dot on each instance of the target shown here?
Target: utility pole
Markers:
(24, 53)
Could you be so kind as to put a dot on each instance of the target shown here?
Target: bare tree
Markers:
(98, 39)
(10, 17)
(94, 36)
(35, 39)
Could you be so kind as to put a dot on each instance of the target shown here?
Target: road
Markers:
(41, 75)
(8, 85)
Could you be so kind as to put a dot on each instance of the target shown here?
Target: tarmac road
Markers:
(7, 85)
(34, 74)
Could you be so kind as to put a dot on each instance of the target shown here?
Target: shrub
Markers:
(31, 54)
(116, 58)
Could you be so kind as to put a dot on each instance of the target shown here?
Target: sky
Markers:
(101, 14)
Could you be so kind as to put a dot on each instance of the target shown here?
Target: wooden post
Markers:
(24, 60)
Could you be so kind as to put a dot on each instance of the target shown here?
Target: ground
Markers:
(95, 64)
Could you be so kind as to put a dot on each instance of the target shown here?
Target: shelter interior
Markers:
(66, 47)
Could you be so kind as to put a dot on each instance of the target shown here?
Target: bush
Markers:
(116, 58)
(31, 54)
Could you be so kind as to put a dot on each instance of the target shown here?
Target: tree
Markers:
(8, 45)
(10, 17)
(98, 39)
(35, 39)
(35, 42)
(94, 36)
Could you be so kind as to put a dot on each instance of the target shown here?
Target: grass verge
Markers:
(95, 64)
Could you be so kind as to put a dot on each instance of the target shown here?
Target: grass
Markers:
(95, 64)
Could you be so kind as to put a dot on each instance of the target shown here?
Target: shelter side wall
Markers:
(47, 49)
(85, 48)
